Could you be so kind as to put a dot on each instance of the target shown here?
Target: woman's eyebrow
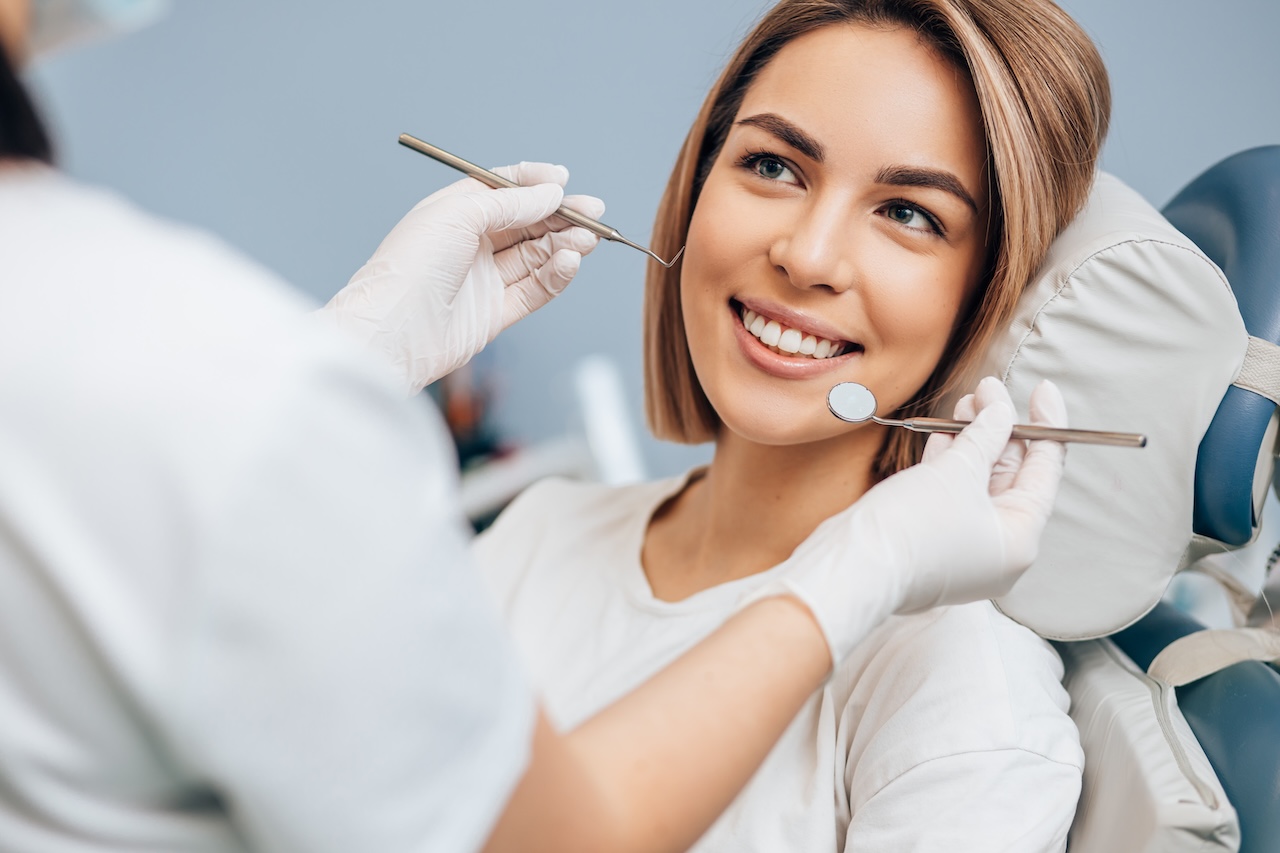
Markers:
(900, 176)
(788, 133)
(915, 176)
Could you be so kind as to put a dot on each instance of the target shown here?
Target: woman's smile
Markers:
(787, 344)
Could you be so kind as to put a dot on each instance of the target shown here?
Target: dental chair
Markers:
(1232, 212)
(1133, 318)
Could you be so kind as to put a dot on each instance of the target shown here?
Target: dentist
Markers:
(235, 606)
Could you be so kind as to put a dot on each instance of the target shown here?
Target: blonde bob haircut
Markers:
(1045, 102)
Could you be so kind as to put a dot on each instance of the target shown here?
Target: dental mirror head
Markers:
(852, 402)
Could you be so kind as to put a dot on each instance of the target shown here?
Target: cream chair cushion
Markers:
(1142, 334)
(1148, 787)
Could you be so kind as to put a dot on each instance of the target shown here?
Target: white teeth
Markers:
(786, 340)
(772, 333)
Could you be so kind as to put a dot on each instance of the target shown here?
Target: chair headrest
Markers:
(1142, 334)
(1232, 212)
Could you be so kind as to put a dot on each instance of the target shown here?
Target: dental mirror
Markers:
(855, 404)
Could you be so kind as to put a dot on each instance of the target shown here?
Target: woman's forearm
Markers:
(653, 771)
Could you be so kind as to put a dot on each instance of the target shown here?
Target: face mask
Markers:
(56, 24)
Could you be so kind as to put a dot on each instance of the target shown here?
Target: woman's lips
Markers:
(783, 365)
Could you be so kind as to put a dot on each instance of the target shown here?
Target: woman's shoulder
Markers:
(952, 681)
(975, 640)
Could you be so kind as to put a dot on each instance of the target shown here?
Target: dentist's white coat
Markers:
(211, 511)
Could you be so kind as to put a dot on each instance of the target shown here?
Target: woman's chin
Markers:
(785, 429)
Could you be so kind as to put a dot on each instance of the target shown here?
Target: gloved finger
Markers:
(587, 205)
(539, 287)
(935, 445)
(487, 211)
(527, 174)
(1010, 460)
(584, 204)
(1048, 408)
(1025, 507)
(1045, 460)
(1007, 467)
(524, 174)
(940, 441)
(980, 444)
(523, 259)
(966, 408)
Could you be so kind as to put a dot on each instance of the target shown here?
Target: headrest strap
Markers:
(1260, 372)
(1241, 597)
(1203, 653)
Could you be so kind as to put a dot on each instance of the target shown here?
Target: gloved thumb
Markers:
(498, 210)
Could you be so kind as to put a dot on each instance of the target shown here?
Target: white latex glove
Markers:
(464, 264)
(960, 526)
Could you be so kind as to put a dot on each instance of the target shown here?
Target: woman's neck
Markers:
(754, 505)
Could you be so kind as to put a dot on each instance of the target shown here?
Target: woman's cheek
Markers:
(716, 236)
(913, 300)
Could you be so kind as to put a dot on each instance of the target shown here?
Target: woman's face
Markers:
(845, 222)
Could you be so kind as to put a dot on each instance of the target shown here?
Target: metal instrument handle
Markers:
(1034, 433)
(498, 182)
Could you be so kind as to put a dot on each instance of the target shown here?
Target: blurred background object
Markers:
(599, 441)
(1220, 589)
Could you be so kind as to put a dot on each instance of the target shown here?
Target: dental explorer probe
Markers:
(854, 403)
(484, 176)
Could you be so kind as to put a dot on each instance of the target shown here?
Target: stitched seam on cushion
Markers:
(1031, 327)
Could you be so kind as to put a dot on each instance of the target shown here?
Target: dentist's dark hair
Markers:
(1046, 103)
(22, 133)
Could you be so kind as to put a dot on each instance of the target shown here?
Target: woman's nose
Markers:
(816, 250)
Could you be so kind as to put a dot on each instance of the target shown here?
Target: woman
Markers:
(865, 192)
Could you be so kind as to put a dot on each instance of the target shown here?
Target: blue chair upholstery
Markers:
(1232, 212)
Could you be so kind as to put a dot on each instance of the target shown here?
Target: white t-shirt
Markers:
(235, 605)
(944, 731)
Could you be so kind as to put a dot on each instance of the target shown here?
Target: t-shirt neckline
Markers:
(636, 582)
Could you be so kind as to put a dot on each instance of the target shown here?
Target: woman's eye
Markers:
(771, 168)
(911, 217)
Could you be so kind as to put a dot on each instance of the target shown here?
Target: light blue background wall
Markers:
(273, 124)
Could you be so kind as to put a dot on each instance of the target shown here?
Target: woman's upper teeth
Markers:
(792, 341)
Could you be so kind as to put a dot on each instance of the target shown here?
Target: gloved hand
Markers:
(464, 264)
(960, 526)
